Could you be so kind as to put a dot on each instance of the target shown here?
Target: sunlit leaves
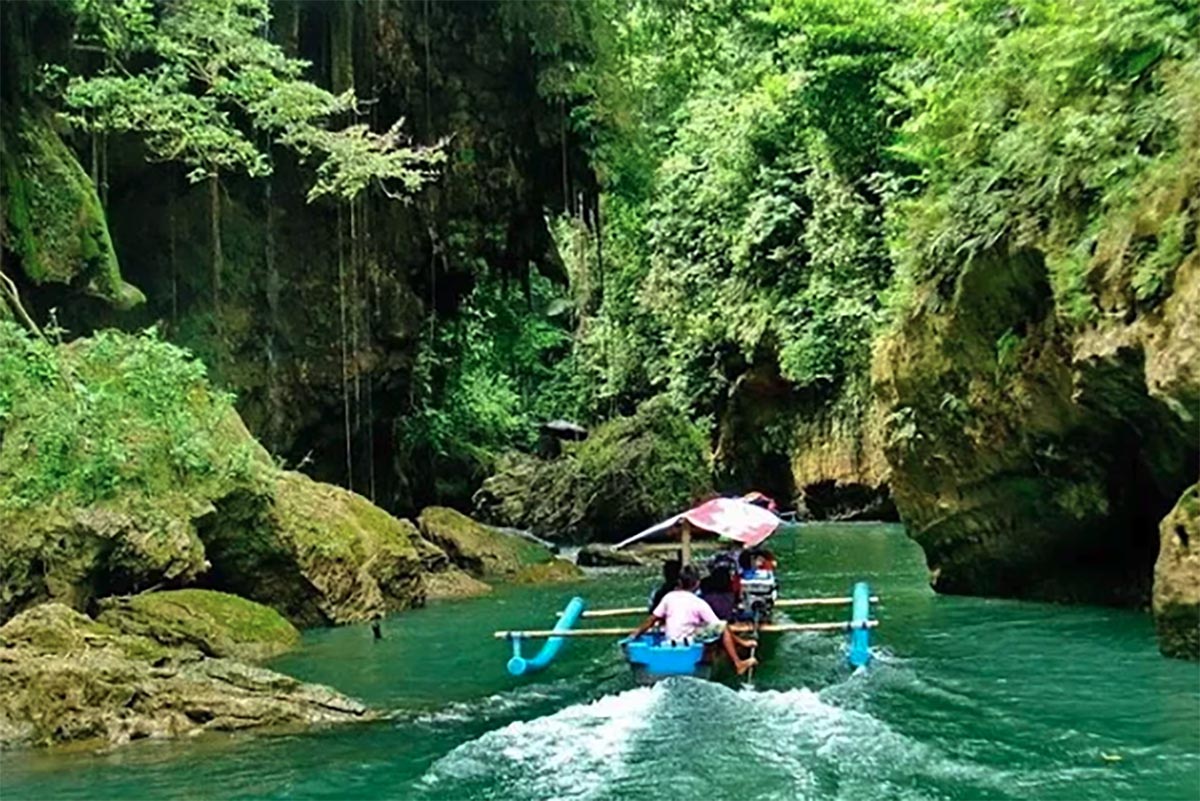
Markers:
(202, 83)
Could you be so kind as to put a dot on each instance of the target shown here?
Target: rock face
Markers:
(66, 678)
(1030, 457)
(317, 553)
(1177, 579)
(214, 623)
(600, 555)
(478, 549)
(157, 483)
(631, 472)
(830, 462)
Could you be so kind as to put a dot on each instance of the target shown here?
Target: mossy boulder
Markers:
(121, 469)
(554, 571)
(631, 472)
(54, 221)
(480, 550)
(112, 448)
(452, 583)
(598, 554)
(66, 678)
(319, 554)
(1177, 579)
(215, 623)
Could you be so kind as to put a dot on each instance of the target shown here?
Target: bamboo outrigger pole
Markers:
(765, 628)
(785, 603)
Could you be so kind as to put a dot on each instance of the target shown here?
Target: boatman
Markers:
(686, 617)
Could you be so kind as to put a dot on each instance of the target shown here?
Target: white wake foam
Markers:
(573, 753)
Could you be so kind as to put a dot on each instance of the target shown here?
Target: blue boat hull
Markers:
(652, 658)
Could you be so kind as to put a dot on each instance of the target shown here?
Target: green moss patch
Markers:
(56, 224)
(476, 548)
(216, 623)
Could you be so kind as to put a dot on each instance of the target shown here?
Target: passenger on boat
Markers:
(717, 590)
(756, 563)
(670, 582)
(687, 617)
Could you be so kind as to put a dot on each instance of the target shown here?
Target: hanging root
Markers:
(13, 298)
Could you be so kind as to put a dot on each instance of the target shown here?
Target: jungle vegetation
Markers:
(779, 180)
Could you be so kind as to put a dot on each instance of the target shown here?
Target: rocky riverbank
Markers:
(67, 678)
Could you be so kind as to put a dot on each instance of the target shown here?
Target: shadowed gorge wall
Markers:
(321, 308)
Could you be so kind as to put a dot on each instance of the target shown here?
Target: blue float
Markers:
(860, 633)
(519, 666)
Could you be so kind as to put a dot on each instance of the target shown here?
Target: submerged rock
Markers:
(1177, 579)
(556, 570)
(215, 623)
(629, 473)
(599, 554)
(319, 554)
(67, 678)
(478, 549)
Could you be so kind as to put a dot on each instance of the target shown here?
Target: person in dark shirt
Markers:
(717, 589)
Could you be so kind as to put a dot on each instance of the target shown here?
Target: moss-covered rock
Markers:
(1177, 579)
(480, 550)
(55, 223)
(111, 449)
(554, 571)
(598, 554)
(451, 583)
(631, 472)
(121, 469)
(66, 678)
(317, 553)
(1030, 457)
(215, 623)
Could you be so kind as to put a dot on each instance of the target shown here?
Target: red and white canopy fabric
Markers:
(729, 518)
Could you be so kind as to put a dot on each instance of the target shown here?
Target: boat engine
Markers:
(759, 595)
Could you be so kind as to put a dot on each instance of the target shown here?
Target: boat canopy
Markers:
(735, 519)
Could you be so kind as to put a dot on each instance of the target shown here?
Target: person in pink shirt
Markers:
(686, 616)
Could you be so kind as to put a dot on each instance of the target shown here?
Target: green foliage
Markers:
(744, 220)
(1037, 125)
(485, 377)
(630, 472)
(81, 422)
(202, 84)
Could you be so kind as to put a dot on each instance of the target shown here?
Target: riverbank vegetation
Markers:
(875, 257)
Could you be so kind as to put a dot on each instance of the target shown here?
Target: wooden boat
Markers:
(651, 656)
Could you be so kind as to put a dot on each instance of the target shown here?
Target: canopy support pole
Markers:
(685, 543)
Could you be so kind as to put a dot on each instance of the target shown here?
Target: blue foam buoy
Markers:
(860, 635)
(519, 665)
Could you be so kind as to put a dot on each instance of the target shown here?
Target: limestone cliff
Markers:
(315, 314)
(823, 456)
(1031, 457)
(1177, 579)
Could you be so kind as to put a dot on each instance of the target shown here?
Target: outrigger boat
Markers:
(722, 522)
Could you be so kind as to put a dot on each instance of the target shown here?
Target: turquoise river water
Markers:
(967, 699)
